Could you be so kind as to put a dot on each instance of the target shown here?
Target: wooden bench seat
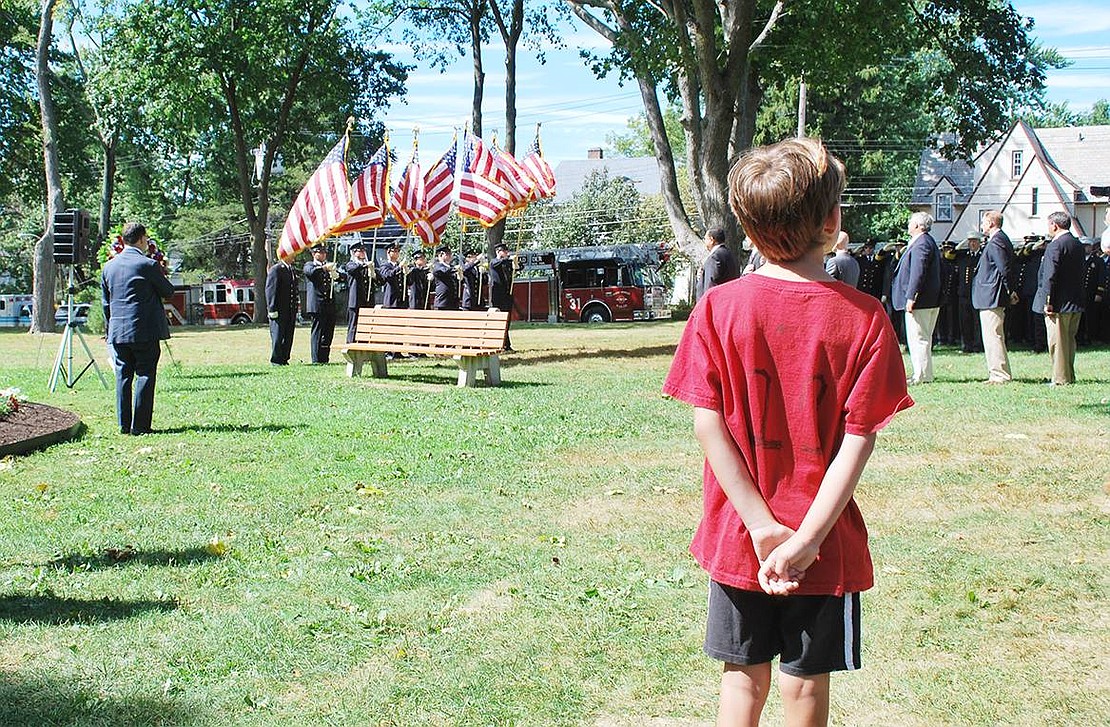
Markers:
(473, 338)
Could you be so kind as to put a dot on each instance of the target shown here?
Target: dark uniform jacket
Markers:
(967, 264)
(318, 292)
(418, 287)
(1060, 283)
(918, 275)
(281, 292)
(996, 277)
(360, 283)
(871, 274)
(447, 287)
(392, 277)
(501, 281)
(472, 286)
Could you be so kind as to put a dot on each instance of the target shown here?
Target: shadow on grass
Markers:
(452, 380)
(238, 428)
(218, 374)
(57, 702)
(1099, 408)
(613, 353)
(57, 611)
(112, 557)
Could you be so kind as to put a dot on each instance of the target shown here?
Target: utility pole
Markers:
(802, 107)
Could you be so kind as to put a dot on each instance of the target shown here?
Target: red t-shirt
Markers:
(791, 366)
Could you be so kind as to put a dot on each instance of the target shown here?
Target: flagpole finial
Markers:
(350, 123)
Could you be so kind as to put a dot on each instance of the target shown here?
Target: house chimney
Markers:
(596, 153)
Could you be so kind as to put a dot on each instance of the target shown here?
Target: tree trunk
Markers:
(43, 269)
(107, 187)
(479, 74)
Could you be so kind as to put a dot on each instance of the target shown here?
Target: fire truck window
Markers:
(239, 295)
(221, 294)
(209, 296)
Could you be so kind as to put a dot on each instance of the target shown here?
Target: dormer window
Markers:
(1016, 158)
(942, 205)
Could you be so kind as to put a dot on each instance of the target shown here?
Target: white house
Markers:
(643, 172)
(1027, 174)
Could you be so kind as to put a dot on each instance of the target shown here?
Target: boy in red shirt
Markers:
(791, 374)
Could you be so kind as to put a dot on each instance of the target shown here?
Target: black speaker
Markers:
(71, 237)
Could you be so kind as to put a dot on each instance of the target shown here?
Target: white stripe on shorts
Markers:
(849, 634)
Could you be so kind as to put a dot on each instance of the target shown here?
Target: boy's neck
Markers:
(809, 267)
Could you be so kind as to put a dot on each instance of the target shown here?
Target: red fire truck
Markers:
(591, 284)
(226, 302)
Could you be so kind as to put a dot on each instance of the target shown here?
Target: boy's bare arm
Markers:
(732, 474)
(786, 565)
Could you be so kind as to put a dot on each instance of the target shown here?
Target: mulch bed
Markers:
(34, 426)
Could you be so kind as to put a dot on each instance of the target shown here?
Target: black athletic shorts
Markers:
(811, 634)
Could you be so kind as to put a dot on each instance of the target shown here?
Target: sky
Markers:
(578, 111)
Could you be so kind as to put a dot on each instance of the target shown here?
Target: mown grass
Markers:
(403, 552)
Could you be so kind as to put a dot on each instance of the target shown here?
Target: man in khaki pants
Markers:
(991, 291)
(1060, 296)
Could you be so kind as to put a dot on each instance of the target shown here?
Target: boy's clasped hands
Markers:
(783, 557)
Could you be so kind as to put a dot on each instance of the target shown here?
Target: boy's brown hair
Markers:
(783, 193)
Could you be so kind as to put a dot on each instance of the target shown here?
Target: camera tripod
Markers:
(63, 362)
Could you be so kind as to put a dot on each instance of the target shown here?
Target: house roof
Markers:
(641, 171)
(1075, 158)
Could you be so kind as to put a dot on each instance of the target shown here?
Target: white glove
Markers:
(272, 315)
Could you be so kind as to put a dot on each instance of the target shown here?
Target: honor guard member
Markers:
(472, 281)
(281, 309)
(446, 281)
(320, 302)
(1092, 270)
(392, 276)
(870, 270)
(501, 285)
(967, 265)
(418, 279)
(359, 274)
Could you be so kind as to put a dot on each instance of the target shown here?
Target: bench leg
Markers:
(377, 363)
(493, 370)
(355, 360)
(468, 370)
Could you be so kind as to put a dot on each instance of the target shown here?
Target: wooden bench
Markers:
(473, 338)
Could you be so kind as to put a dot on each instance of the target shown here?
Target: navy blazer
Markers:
(995, 278)
(133, 288)
(1061, 277)
(918, 275)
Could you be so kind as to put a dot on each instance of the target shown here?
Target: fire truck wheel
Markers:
(241, 320)
(595, 314)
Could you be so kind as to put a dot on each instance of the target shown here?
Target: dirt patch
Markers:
(33, 426)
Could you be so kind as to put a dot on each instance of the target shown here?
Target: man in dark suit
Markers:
(359, 274)
(320, 302)
(392, 276)
(501, 285)
(995, 287)
(134, 287)
(916, 290)
(968, 256)
(418, 278)
(281, 309)
(720, 266)
(446, 281)
(1060, 296)
(472, 281)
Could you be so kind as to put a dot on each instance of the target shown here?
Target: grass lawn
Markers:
(295, 547)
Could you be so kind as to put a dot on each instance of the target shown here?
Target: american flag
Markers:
(369, 195)
(480, 197)
(516, 180)
(539, 169)
(408, 203)
(322, 203)
(438, 183)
